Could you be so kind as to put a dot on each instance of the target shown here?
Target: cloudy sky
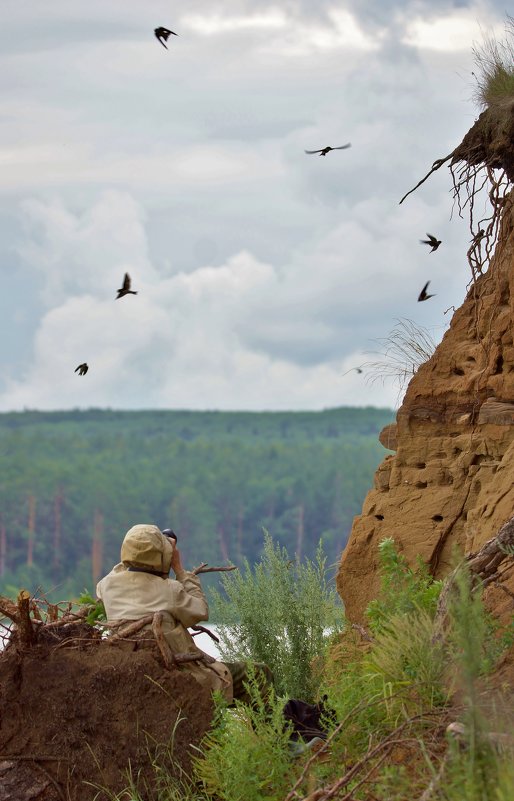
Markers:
(263, 274)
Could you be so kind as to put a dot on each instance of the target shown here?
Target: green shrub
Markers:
(405, 657)
(281, 612)
(402, 590)
(246, 757)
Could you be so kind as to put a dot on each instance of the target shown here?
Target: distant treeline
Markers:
(72, 483)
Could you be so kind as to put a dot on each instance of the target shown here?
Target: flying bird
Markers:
(423, 294)
(82, 369)
(358, 370)
(162, 34)
(325, 150)
(433, 241)
(125, 289)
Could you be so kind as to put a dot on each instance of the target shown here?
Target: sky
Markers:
(264, 275)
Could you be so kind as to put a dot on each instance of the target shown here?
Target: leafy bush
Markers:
(246, 757)
(281, 612)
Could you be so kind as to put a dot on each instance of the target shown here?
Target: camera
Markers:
(168, 532)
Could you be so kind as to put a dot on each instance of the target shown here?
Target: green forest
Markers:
(72, 483)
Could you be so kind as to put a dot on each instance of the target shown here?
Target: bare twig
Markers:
(204, 569)
(204, 630)
(434, 782)
(435, 166)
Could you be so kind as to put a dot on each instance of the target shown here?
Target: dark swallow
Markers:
(357, 369)
(125, 289)
(432, 241)
(423, 294)
(82, 369)
(162, 34)
(325, 150)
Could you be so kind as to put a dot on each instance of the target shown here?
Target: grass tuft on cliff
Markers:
(495, 62)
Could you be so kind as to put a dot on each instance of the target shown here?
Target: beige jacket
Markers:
(129, 595)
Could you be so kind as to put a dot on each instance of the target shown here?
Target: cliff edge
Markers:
(450, 479)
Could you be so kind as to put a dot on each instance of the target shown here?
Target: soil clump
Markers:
(78, 712)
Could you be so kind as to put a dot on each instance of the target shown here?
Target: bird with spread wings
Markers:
(325, 150)
(125, 289)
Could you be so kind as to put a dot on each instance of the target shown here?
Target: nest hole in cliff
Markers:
(498, 365)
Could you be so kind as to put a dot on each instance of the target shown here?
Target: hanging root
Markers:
(471, 173)
(435, 166)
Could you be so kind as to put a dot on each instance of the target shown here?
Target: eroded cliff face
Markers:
(450, 480)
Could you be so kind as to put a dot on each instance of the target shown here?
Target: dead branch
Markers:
(204, 630)
(25, 630)
(69, 617)
(204, 569)
(483, 567)
(8, 609)
(161, 640)
(434, 782)
(387, 743)
(192, 656)
(131, 628)
(435, 166)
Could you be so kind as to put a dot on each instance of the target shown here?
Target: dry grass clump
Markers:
(495, 62)
(406, 347)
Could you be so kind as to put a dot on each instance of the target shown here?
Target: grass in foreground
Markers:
(393, 697)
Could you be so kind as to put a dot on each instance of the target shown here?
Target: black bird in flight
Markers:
(82, 369)
(433, 241)
(125, 289)
(162, 34)
(358, 369)
(423, 294)
(325, 150)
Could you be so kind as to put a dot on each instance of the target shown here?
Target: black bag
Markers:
(309, 720)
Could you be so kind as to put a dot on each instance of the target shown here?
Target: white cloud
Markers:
(246, 334)
(451, 32)
(263, 274)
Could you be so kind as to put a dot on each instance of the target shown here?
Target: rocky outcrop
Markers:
(450, 481)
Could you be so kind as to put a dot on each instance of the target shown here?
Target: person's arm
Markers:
(189, 604)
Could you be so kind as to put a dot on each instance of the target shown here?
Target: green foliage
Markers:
(97, 608)
(404, 656)
(281, 612)
(403, 590)
(217, 478)
(245, 757)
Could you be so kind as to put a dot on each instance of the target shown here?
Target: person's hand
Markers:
(176, 562)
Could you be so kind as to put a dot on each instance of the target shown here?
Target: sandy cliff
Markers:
(450, 478)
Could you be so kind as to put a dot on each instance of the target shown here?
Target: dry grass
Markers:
(495, 62)
(406, 347)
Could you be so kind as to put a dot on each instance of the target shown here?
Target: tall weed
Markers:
(245, 756)
(281, 612)
(402, 589)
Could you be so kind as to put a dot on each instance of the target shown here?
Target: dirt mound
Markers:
(75, 715)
